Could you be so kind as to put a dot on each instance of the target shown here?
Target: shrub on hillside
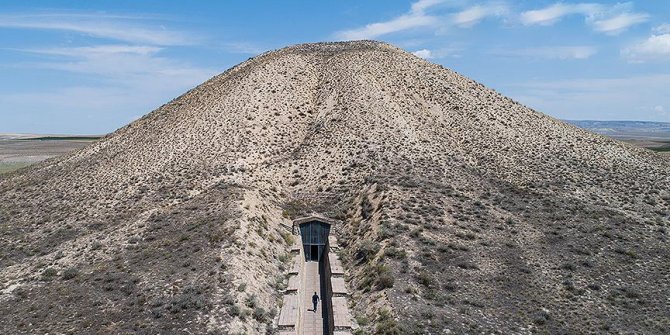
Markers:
(366, 251)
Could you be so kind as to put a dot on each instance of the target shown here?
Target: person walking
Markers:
(315, 300)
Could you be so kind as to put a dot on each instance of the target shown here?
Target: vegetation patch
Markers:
(9, 167)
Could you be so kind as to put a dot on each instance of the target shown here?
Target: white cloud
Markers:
(374, 30)
(554, 52)
(659, 109)
(619, 23)
(423, 53)
(473, 15)
(422, 5)
(663, 29)
(121, 28)
(555, 12)
(415, 18)
(128, 65)
(95, 50)
(419, 17)
(611, 20)
(653, 48)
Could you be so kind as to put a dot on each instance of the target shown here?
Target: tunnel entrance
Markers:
(314, 239)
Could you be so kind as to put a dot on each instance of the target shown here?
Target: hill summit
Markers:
(461, 209)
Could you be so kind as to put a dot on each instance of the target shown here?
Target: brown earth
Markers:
(462, 210)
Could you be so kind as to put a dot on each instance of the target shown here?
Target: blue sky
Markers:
(89, 67)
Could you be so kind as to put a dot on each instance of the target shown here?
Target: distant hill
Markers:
(461, 211)
(627, 129)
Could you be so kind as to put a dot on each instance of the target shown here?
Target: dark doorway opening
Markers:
(314, 252)
(314, 239)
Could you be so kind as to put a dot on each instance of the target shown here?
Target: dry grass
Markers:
(9, 167)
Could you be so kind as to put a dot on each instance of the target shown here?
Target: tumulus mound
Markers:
(462, 209)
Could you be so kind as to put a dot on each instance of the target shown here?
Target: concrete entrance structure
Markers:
(314, 231)
(312, 272)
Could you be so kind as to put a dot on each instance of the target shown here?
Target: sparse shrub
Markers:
(541, 317)
(280, 283)
(467, 265)
(20, 293)
(69, 273)
(288, 238)
(49, 273)
(594, 287)
(386, 325)
(242, 287)
(569, 285)
(366, 208)
(244, 313)
(450, 287)
(385, 232)
(393, 252)
(362, 320)
(215, 237)
(156, 313)
(385, 278)
(284, 258)
(466, 236)
(228, 299)
(568, 266)
(252, 301)
(629, 253)
(366, 251)
(415, 232)
(190, 298)
(260, 314)
(235, 310)
(294, 208)
(424, 278)
(428, 314)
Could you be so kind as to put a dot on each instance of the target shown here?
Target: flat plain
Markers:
(17, 153)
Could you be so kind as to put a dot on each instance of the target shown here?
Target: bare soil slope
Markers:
(462, 210)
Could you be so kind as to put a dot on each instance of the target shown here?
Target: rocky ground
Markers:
(463, 211)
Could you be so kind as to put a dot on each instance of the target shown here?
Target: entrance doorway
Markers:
(314, 235)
